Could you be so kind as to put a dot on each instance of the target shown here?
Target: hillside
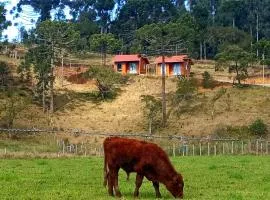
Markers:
(77, 109)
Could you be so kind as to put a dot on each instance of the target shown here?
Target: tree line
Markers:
(201, 28)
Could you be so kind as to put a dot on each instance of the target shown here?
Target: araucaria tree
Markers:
(40, 59)
(52, 38)
(237, 60)
(104, 43)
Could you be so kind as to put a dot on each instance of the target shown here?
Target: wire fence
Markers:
(77, 142)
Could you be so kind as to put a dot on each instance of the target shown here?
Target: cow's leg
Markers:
(139, 179)
(156, 186)
(116, 187)
(127, 176)
(110, 183)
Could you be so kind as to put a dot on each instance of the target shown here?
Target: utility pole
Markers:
(51, 82)
(257, 32)
(164, 117)
(62, 63)
(263, 66)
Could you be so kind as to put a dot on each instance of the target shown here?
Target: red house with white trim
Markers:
(130, 64)
(174, 65)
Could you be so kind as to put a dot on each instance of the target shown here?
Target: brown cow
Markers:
(146, 159)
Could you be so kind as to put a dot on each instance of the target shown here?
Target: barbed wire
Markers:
(142, 135)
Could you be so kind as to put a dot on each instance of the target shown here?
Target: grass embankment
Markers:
(75, 106)
(246, 177)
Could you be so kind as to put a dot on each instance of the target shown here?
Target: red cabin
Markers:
(130, 64)
(174, 65)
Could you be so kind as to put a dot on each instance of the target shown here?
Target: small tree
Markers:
(104, 43)
(152, 111)
(106, 80)
(237, 60)
(207, 81)
(40, 59)
(186, 91)
(24, 70)
(11, 107)
(4, 74)
(258, 128)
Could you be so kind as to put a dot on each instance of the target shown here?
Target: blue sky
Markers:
(12, 31)
(24, 20)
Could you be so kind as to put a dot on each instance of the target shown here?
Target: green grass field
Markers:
(237, 177)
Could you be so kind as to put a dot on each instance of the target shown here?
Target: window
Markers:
(132, 68)
(176, 69)
(119, 67)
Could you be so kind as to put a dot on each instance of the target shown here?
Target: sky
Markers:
(12, 31)
(24, 20)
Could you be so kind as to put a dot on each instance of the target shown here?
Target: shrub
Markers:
(4, 74)
(258, 128)
(237, 132)
(208, 81)
(106, 80)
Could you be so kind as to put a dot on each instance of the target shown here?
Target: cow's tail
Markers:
(105, 171)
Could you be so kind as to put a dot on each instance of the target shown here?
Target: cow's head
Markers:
(176, 186)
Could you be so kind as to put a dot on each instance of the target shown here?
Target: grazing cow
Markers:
(146, 159)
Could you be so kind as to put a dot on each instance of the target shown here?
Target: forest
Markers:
(201, 28)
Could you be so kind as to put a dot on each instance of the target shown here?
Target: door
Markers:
(132, 68)
(176, 69)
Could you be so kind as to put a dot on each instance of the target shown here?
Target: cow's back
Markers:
(122, 150)
(126, 153)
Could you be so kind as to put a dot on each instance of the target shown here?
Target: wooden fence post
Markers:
(249, 146)
(183, 149)
(173, 149)
(257, 147)
(63, 147)
(215, 149)
(266, 148)
(261, 148)
(242, 148)
(193, 150)
(232, 146)
(200, 148)
(208, 148)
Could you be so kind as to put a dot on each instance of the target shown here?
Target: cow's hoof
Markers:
(119, 195)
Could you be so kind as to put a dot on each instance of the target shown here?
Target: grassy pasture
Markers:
(237, 177)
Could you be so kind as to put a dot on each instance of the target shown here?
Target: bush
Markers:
(106, 80)
(208, 81)
(258, 128)
(237, 132)
(4, 74)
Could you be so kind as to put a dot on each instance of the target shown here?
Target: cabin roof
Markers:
(128, 58)
(172, 59)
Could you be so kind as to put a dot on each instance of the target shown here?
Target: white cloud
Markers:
(24, 20)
